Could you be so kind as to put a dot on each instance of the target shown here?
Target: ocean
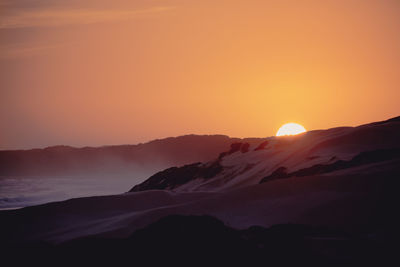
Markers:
(22, 191)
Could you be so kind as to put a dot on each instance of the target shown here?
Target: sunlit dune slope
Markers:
(342, 177)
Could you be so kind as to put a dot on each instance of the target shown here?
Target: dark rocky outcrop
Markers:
(362, 158)
(261, 146)
(235, 147)
(176, 176)
(245, 147)
(279, 173)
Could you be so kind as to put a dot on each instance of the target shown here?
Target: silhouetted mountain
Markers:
(151, 156)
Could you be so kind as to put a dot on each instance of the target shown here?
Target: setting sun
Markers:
(290, 129)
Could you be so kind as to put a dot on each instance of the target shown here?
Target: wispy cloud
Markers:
(53, 17)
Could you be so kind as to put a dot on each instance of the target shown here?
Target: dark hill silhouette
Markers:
(152, 156)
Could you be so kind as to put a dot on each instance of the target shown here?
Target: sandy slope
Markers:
(352, 198)
(297, 152)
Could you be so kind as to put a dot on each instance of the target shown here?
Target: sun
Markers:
(290, 129)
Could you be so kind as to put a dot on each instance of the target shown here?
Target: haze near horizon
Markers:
(92, 73)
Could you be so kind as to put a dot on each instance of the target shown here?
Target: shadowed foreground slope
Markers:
(194, 240)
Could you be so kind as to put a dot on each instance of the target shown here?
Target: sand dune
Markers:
(356, 198)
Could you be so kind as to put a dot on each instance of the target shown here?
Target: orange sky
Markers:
(86, 72)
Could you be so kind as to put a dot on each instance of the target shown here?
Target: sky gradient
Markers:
(90, 73)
